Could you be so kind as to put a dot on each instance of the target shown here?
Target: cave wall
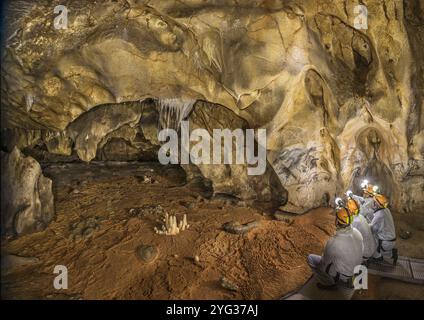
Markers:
(128, 131)
(339, 104)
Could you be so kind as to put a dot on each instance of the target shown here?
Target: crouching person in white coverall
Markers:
(342, 253)
(383, 228)
(360, 223)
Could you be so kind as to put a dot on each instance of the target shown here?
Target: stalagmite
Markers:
(171, 227)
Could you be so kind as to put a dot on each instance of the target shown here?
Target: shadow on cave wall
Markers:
(375, 149)
(377, 173)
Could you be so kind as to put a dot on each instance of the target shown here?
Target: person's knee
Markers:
(376, 254)
(313, 260)
(388, 247)
(310, 261)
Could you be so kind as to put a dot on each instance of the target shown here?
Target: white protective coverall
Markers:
(342, 253)
(370, 242)
(366, 206)
(383, 228)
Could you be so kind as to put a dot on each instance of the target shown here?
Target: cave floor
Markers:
(119, 205)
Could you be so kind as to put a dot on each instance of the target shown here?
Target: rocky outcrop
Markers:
(27, 199)
(93, 126)
(53, 142)
(339, 104)
(234, 179)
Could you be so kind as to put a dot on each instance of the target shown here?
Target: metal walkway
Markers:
(407, 270)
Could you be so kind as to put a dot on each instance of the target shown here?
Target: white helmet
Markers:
(339, 202)
(349, 193)
(364, 184)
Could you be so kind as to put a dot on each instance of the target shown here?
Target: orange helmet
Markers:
(368, 190)
(343, 217)
(352, 206)
(381, 200)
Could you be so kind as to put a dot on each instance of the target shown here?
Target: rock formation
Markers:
(27, 199)
(339, 103)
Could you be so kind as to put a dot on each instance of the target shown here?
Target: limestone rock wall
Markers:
(339, 104)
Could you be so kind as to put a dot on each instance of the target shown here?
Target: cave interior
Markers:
(87, 89)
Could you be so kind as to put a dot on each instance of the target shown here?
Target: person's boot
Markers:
(395, 256)
(379, 259)
(326, 287)
(350, 283)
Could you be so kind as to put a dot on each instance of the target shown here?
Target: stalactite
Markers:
(173, 111)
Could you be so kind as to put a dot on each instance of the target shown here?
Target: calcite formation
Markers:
(27, 200)
(171, 227)
(339, 103)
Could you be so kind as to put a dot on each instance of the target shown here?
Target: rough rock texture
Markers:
(27, 198)
(339, 104)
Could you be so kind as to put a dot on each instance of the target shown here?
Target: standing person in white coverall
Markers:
(366, 201)
(361, 224)
(342, 253)
(383, 228)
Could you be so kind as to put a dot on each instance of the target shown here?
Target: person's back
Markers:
(343, 251)
(370, 243)
(366, 208)
(383, 226)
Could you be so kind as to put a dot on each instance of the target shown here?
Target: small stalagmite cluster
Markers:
(172, 227)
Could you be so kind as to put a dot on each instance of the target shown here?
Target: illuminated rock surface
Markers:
(339, 104)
